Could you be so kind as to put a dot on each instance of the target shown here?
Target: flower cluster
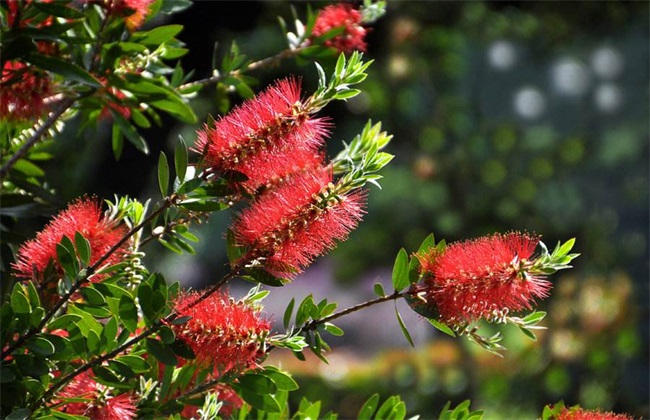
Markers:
(264, 136)
(341, 15)
(482, 278)
(298, 220)
(224, 334)
(23, 90)
(133, 11)
(83, 216)
(98, 403)
(582, 414)
(275, 142)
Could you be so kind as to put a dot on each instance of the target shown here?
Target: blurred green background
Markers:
(506, 116)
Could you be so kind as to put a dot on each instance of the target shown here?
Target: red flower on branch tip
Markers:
(300, 219)
(99, 404)
(482, 278)
(133, 11)
(84, 216)
(262, 136)
(23, 90)
(582, 414)
(337, 16)
(224, 334)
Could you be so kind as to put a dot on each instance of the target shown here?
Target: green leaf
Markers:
(19, 414)
(117, 142)
(180, 159)
(257, 275)
(281, 380)
(136, 363)
(92, 296)
(83, 248)
(163, 174)
(40, 345)
(157, 35)
(166, 335)
(67, 260)
(534, 317)
(333, 329)
(37, 316)
(400, 271)
(64, 321)
(65, 68)
(28, 168)
(128, 312)
(19, 302)
(130, 132)
(161, 352)
(379, 290)
(183, 350)
(442, 327)
(528, 333)
(288, 312)
(60, 10)
(428, 243)
(369, 407)
(176, 107)
(407, 335)
(257, 384)
(264, 402)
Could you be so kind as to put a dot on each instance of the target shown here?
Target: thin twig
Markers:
(90, 270)
(144, 334)
(311, 325)
(34, 138)
(253, 66)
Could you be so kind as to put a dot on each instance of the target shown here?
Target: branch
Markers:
(311, 325)
(253, 66)
(144, 334)
(90, 270)
(34, 138)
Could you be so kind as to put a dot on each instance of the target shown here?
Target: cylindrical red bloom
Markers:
(133, 11)
(224, 334)
(83, 216)
(582, 414)
(262, 135)
(482, 278)
(22, 91)
(341, 15)
(99, 404)
(297, 221)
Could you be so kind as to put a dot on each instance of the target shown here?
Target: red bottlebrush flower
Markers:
(298, 220)
(581, 414)
(262, 135)
(341, 15)
(84, 216)
(224, 334)
(482, 278)
(22, 91)
(225, 394)
(133, 11)
(99, 405)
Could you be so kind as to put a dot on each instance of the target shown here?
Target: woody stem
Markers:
(82, 279)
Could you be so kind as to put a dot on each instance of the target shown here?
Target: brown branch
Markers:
(90, 270)
(34, 138)
(288, 53)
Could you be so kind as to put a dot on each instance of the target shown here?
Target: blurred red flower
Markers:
(482, 278)
(99, 404)
(23, 89)
(341, 15)
(581, 414)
